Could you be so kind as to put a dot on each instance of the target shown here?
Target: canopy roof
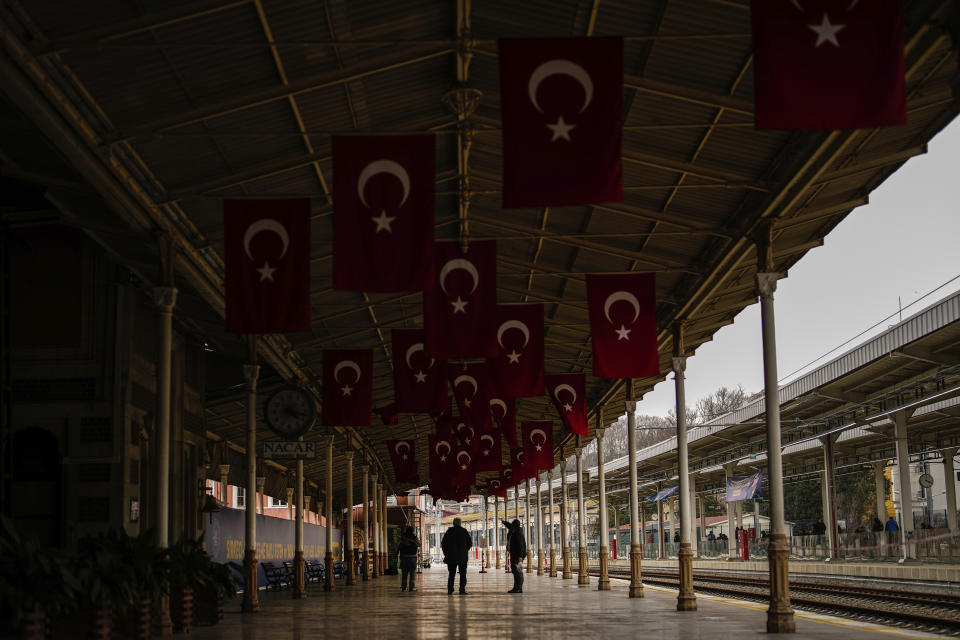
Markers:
(165, 111)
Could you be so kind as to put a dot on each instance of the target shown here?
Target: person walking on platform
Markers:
(408, 548)
(455, 544)
(518, 551)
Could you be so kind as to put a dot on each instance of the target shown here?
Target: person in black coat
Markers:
(518, 551)
(455, 544)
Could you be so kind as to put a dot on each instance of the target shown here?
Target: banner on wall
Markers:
(744, 488)
(275, 539)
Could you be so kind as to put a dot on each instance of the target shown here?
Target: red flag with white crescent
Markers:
(267, 265)
(538, 443)
(442, 462)
(623, 324)
(522, 469)
(504, 412)
(569, 395)
(825, 64)
(507, 479)
(561, 103)
(467, 435)
(496, 487)
(419, 381)
(471, 392)
(488, 456)
(347, 387)
(403, 454)
(458, 306)
(383, 212)
(517, 369)
(444, 424)
(464, 475)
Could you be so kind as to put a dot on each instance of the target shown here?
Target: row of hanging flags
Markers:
(819, 64)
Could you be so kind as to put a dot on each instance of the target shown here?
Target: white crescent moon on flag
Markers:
(796, 3)
(401, 444)
(624, 296)
(383, 166)
(346, 364)
(513, 324)
(436, 447)
(564, 387)
(465, 427)
(453, 265)
(466, 378)
(463, 453)
(561, 67)
(497, 402)
(541, 432)
(486, 437)
(265, 224)
(495, 483)
(414, 348)
(508, 472)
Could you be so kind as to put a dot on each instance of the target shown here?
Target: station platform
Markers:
(548, 608)
(947, 573)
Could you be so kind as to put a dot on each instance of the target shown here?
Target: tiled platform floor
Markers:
(549, 608)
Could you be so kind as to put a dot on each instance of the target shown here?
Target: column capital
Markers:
(365, 468)
(373, 477)
(563, 464)
(289, 494)
(538, 484)
(224, 469)
(679, 365)
(165, 298)
(550, 475)
(767, 284)
(250, 374)
(348, 454)
(578, 452)
(599, 431)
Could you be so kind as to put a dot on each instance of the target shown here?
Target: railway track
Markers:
(931, 612)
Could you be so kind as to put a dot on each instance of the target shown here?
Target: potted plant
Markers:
(37, 584)
(221, 584)
(150, 567)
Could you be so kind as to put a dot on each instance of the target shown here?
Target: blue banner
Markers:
(225, 539)
(663, 493)
(743, 488)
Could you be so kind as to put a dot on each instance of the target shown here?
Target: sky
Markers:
(893, 251)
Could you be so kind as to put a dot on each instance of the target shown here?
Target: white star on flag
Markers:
(383, 222)
(623, 333)
(404, 457)
(459, 305)
(539, 448)
(561, 130)
(347, 390)
(486, 452)
(568, 407)
(420, 376)
(266, 272)
(826, 32)
(513, 357)
(463, 467)
(443, 458)
(467, 402)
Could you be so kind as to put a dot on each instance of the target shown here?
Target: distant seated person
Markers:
(711, 537)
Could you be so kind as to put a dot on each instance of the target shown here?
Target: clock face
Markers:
(926, 481)
(290, 412)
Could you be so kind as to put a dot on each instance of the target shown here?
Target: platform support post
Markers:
(539, 528)
(603, 584)
(564, 516)
(348, 564)
(328, 508)
(636, 551)
(686, 598)
(553, 552)
(251, 600)
(582, 576)
(780, 617)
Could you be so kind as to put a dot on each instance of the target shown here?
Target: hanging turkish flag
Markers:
(517, 369)
(497, 488)
(347, 387)
(507, 479)
(419, 381)
(504, 410)
(444, 425)
(442, 463)
(569, 395)
(382, 212)
(458, 307)
(470, 390)
(488, 456)
(464, 475)
(825, 64)
(561, 101)
(403, 454)
(623, 324)
(267, 265)
(538, 444)
(467, 435)
(522, 469)
(388, 414)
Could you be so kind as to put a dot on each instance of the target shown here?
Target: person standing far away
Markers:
(518, 551)
(455, 544)
(408, 549)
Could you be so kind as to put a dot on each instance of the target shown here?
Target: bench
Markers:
(313, 572)
(277, 577)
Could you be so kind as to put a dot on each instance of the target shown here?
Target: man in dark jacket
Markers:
(518, 551)
(407, 549)
(455, 544)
